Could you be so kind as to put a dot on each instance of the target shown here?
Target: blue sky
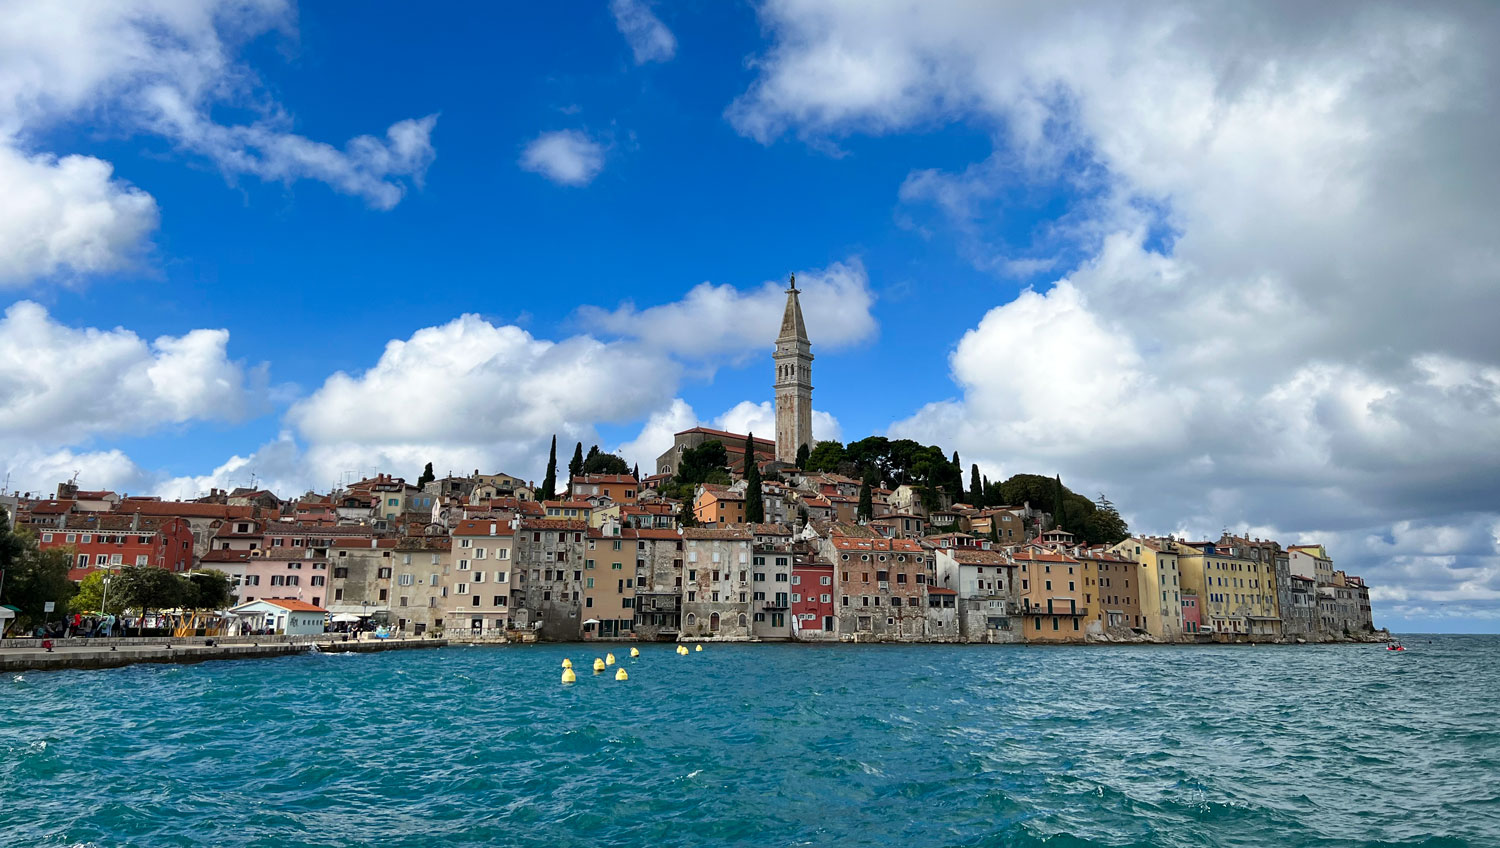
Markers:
(1169, 256)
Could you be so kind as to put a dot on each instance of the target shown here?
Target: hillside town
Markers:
(730, 537)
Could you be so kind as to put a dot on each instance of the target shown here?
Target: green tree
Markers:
(427, 476)
(1059, 506)
(575, 466)
(549, 483)
(866, 509)
(30, 577)
(755, 507)
(92, 597)
(147, 588)
(976, 489)
(824, 456)
(635, 472)
(804, 453)
(599, 462)
(209, 589)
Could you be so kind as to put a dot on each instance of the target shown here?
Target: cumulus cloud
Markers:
(60, 385)
(714, 321)
(160, 68)
(470, 393)
(1281, 315)
(656, 435)
(566, 157)
(747, 416)
(67, 215)
(649, 38)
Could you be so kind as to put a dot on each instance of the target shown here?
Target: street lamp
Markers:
(104, 603)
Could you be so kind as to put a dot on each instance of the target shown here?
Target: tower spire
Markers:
(793, 384)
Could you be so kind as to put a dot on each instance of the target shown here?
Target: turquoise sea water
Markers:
(908, 746)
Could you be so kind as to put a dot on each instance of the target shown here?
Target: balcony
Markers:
(1056, 609)
(774, 604)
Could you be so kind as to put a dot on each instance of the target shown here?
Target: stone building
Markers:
(658, 582)
(987, 596)
(1118, 589)
(547, 578)
(716, 584)
(1053, 589)
(881, 587)
(361, 582)
(609, 577)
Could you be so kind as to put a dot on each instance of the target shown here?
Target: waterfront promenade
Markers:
(30, 655)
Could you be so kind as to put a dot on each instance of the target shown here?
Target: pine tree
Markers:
(755, 506)
(866, 509)
(976, 491)
(803, 454)
(549, 483)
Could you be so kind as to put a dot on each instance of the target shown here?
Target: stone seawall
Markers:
(35, 658)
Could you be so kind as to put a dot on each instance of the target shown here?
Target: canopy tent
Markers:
(344, 618)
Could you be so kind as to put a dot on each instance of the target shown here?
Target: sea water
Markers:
(767, 745)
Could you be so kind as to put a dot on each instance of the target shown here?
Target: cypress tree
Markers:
(749, 455)
(755, 507)
(575, 467)
(427, 476)
(636, 472)
(866, 509)
(803, 454)
(549, 483)
(976, 490)
(1057, 501)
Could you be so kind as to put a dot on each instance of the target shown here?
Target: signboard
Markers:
(49, 606)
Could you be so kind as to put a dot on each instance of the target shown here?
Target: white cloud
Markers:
(60, 385)
(1283, 316)
(163, 68)
(649, 38)
(39, 471)
(656, 435)
(67, 215)
(472, 394)
(566, 157)
(716, 321)
(750, 417)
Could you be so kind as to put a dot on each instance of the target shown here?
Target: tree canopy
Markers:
(599, 462)
(549, 483)
(32, 577)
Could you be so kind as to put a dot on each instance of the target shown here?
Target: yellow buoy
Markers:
(635, 652)
(567, 663)
(609, 659)
(621, 675)
(682, 650)
(569, 676)
(699, 648)
(598, 665)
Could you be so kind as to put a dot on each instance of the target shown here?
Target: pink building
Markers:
(1192, 622)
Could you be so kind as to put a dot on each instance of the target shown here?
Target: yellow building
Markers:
(1160, 585)
(609, 585)
(1236, 594)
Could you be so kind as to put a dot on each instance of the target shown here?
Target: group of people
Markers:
(80, 625)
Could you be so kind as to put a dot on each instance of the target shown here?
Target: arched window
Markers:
(713, 622)
(692, 619)
(742, 619)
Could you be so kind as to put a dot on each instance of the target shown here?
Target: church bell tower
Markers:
(793, 383)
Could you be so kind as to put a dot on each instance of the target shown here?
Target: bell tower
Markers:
(793, 384)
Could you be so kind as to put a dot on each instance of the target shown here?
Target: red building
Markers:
(1192, 617)
(104, 540)
(812, 597)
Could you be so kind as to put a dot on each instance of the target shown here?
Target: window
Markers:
(142, 559)
(461, 589)
(403, 580)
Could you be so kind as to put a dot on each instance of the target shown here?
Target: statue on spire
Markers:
(792, 283)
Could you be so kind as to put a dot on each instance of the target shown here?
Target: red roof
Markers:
(184, 509)
(483, 527)
(938, 590)
(604, 478)
(739, 438)
(293, 604)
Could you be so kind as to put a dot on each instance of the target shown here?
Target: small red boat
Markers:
(1395, 647)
